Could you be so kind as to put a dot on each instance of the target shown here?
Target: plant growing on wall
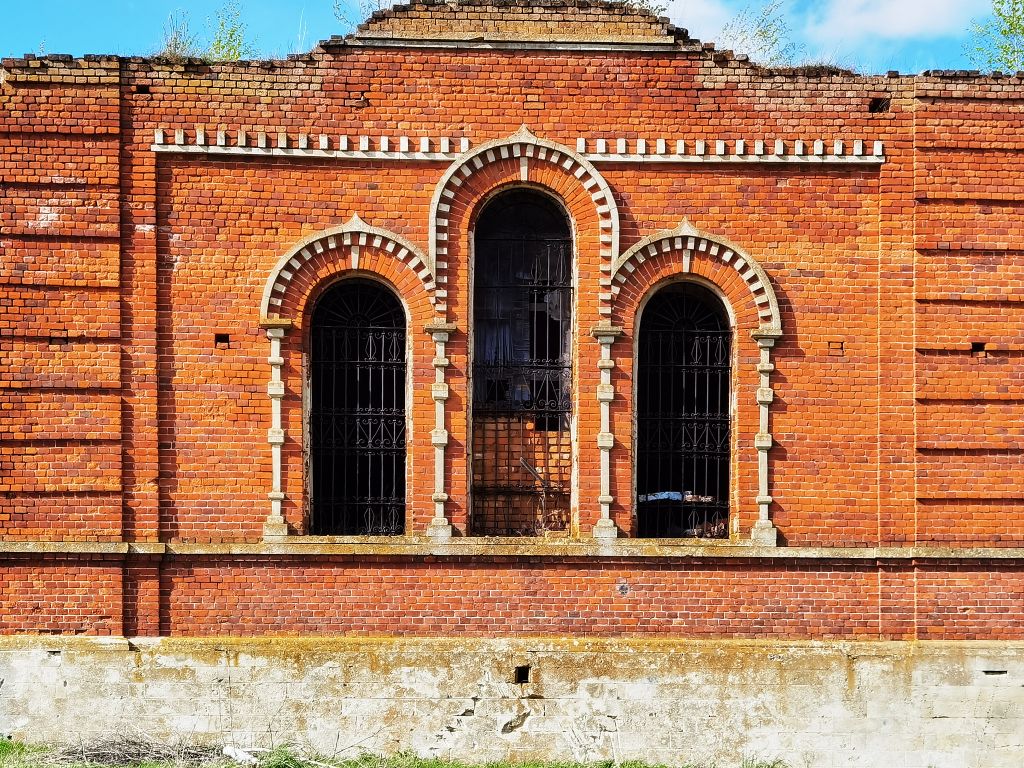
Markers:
(227, 43)
(355, 13)
(763, 34)
(179, 42)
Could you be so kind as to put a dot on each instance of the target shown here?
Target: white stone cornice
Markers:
(281, 144)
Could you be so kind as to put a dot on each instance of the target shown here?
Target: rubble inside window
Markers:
(522, 368)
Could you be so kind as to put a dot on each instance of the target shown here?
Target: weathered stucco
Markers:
(815, 703)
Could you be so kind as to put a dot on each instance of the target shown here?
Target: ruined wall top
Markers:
(525, 20)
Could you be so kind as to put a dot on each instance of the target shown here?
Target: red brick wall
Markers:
(123, 421)
(56, 595)
(474, 597)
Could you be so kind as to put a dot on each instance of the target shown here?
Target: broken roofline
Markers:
(58, 67)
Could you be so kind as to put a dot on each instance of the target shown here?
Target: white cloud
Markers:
(853, 21)
(703, 19)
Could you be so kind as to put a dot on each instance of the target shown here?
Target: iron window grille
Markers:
(357, 415)
(684, 374)
(522, 368)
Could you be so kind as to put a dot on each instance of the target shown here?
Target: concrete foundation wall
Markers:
(938, 704)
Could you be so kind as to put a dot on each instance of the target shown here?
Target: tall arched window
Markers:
(522, 367)
(357, 414)
(684, 374)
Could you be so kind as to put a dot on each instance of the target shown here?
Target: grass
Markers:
(137, 754)
(15, 753)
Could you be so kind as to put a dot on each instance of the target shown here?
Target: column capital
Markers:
(440, 331)
(766, 336)
(279, 324)
(606, 333)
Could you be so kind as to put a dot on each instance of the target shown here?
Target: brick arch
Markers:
(353, 249)
(525, 158)
(526, 161)
(353, 246)
(686, 249)
(688, 252)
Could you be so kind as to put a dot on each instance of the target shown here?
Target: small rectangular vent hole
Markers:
(142, 89)
(994, 672)
(837, 348)
(978, 349)
(879, 104)
(222, 340)
(522, 675)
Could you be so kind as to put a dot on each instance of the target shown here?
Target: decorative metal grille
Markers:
(522, 368)
(683, 415)
(357, 420)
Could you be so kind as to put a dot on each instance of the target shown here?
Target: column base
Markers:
(764, 534)
(275, 529)
(606, 529)
(439, 530)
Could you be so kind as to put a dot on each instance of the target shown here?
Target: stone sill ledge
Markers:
(504, 547)
(216, 646)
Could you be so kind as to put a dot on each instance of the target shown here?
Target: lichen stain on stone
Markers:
(456, 698)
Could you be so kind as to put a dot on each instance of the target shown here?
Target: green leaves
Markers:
(763, 34)
(228, 41)
(998, 43)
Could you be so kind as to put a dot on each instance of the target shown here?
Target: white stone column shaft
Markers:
(275, 526)
(440, 528)
(764, 532)
(606, 335)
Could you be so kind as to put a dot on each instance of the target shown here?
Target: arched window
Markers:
(357, 414)
(522, 367)
(684, 373)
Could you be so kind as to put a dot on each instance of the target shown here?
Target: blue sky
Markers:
(871, 35)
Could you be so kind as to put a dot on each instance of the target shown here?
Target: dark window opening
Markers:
(683, 400)
(522, 367)
(879, 104)
(357, 416)
(522, 675)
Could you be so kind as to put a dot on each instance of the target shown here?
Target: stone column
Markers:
(606, 336)
(275, 527)
(764, 533)
(439, 528)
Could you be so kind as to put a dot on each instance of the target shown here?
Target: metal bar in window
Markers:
(357, 418)
(683, 419)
